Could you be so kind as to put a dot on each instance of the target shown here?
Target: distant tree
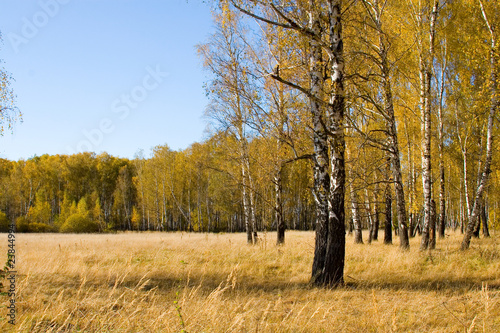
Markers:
(136, 218)
(80, 221)
(40, 212)
(40, 215)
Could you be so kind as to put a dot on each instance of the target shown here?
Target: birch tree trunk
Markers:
(375, 11)
(253, 220)
(473, 218)
(358, 232)
(321, 176)
(393, 137)
(442, 202)
(328, 263)
(335, 255)
(245, 200)
(370, 216)
(278, 208)
(425, 87)
(484, 218)
(432, 226)
(278, 186)
(411, 182)
(388, 216)
(329, 189)
(376, 218)
(463, 149)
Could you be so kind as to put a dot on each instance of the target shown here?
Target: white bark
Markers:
(425, 86)
(473, 218)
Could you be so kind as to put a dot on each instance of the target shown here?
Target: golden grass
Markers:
(174, 282)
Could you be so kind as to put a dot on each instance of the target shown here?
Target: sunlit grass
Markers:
(169, 282)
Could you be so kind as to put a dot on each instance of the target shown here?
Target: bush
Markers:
(40, 227)
(79, 223)
(22, 224)
(4, 222)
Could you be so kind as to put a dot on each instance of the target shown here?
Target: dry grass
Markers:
(173, 282)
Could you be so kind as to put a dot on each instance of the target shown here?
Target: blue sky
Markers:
(104, 75)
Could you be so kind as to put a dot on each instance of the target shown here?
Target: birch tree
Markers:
(375, 11)
(493, 85)
(426, 58)
(225, 56)
(9, 112)
(327, 104)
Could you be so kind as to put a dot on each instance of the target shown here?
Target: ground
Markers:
(180, 282)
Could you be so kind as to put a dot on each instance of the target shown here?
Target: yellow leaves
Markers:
(9, 113)
(227, 15)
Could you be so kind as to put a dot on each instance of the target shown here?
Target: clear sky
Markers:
(104, 75)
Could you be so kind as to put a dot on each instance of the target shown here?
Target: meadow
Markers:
(187, 282)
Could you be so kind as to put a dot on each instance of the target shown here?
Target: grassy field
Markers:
(178, 282)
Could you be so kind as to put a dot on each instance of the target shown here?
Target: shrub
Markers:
(22, 224)
(4, 222)
(40, 227)
(79, 223)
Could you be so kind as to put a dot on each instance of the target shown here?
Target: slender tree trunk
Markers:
(251, 196)
(356, 220)
(376, 216)
(388, 207)
(466, 174)
(480, 220)
(477, 229)
(190, 222)
(413, 191)
(388, 216)
(278, 186)
(358, 232)
(432, 226)
(393, 144)
(209, 217)
(425, 78)
(370, 217)
(473, 219)
(246, 206)
(442, 203)
(484, 217)
(404, 242)
(164, 201)
(141, 182)
(278, 207)
(157, 202)
(396, 170)
(411, 182)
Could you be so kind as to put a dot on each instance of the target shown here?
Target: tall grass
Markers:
(178, 282)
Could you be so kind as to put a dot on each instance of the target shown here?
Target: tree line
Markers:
(197, 189)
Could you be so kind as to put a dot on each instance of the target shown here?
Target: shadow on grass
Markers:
(206, 284)
(427, 285)
(249, 285)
